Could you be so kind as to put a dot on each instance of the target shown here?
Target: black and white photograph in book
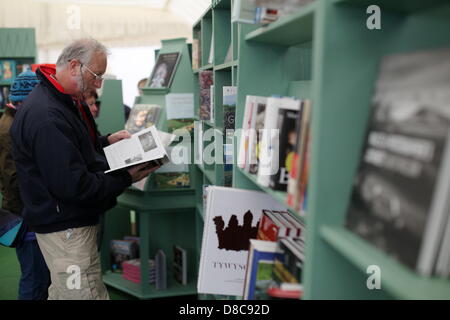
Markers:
(147, 141)
(401, 191)
(164, 69)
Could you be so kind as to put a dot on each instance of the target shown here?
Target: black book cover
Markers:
(394, 188)
(287, 121)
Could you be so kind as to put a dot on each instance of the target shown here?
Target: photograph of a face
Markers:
(164, 70)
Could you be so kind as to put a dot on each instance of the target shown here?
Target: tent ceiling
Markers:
(113, 22)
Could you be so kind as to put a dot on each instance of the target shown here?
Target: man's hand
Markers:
(139, 172)
(119, 135)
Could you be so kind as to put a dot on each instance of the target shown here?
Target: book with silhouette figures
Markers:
(401, 192)
(231, 220)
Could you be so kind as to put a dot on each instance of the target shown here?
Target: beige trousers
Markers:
(72, 258)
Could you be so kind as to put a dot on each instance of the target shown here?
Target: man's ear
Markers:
(74, 66)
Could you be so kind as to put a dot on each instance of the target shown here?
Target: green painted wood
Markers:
(221, 34)
(402, 6)
(340, 113)
(396, 279)
(17, 43)
(206, 34)
(111, 117)
(281, 32)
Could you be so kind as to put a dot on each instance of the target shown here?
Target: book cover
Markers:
(121, 251)
(255, 137)
(180, 264)
(142, 116)
(400, 193)
(287, 120)
(258, 276)
(164, 70)
(288, 266)
(7, 71)
(229, 107)
(231, 220)
(161, 270)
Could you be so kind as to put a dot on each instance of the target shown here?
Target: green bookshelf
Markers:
(324, 52)
(165, 217)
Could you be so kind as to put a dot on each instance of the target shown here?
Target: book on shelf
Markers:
(254, 144)
(231, 219)
(160, 270)
(243, 156)
(267, 11)
(121, 251)
(180, 264)
(196, 53)
(229, 110)
(269, 164)
(297, 181)
(7, 71)
(275, 225)
(287, 120)
(179, 106)
(142, 116)
(132, 270)
(175, 174)
(258, 274)
(147, 146)
(164, 70)
(206, 81)
(243, 11)
(288, 266)
(401, 192)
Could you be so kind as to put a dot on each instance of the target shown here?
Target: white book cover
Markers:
(269, 160)
(231, 220)
(255, 135)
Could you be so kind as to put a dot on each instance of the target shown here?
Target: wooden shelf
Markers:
(174, 288)
(289, 30)
(280, 196)
(397, 279)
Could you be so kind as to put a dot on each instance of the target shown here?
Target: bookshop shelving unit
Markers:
(18, 44)
(112, 116)
(164, 217)
(325, 52)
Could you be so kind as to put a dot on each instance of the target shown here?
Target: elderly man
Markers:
(60, 166)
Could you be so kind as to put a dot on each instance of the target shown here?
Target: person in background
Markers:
(35, 276)
(60, 166)
(141, 84)
(91, 100)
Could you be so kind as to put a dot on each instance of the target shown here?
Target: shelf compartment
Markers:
(174, 288)
(227, 65)
(281, 31)
(396, 279)
(280, 196)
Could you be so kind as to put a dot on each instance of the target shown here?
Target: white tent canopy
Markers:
(113, 22)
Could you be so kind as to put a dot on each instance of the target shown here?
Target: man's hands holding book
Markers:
(142, 170)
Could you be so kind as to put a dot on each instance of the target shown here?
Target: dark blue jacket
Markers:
(59, 165)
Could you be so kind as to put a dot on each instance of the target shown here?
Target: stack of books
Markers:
(132, 270)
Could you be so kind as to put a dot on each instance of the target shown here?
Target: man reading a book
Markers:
(60, 166)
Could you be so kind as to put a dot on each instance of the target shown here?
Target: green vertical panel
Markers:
(17, 42)
(111, 118)
(206, 34)
(221, 34)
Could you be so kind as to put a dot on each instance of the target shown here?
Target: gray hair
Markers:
(81, 50)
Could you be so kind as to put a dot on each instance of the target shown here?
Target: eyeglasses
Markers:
(96, 76)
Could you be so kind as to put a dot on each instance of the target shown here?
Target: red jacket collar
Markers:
(48, 70)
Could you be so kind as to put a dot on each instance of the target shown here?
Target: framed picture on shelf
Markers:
(164, 70)
(7, 71)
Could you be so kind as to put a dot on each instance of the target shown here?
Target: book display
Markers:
(315, 54)
(14, 59)
(164, 205)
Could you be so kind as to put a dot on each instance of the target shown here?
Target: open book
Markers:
(147, 145)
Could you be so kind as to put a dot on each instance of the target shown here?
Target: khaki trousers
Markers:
(72, 258)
